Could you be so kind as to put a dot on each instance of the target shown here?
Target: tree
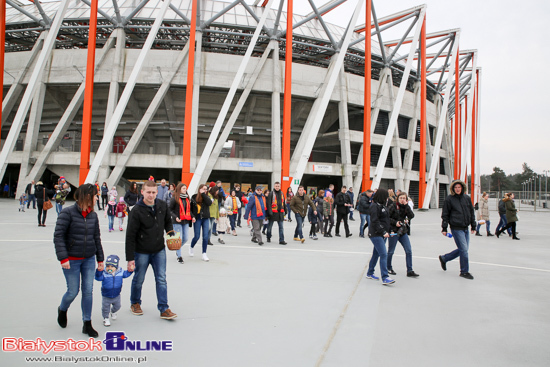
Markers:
(498, 179)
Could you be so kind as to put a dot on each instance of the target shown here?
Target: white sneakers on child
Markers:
(113, 315)
(191, 253)
(204, 257)
(106, 322)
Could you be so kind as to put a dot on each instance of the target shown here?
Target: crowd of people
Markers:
(158, 209)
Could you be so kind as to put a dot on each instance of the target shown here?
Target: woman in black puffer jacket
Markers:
(379, 231)
(77, 245)
(42, 194)
(400, 216)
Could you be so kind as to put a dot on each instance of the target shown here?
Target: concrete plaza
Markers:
(302, 304)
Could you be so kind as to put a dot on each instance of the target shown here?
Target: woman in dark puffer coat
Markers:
(78, 245)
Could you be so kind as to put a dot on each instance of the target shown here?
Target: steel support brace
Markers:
(457, 118)
(139, 132)
(287, 103)
(2, 50)
(399, 101)
(468, 114)
(478, 137)
(109, 133)
(197, 176)
(65, 121)
(276, 147)
(423, 122)
(365, 172)
(473, 192)
(441, 128)
(17, 85)
(237, 111)
(343, 133)
(35, 79)
(86, 135)
(315, 118)
(375, 111)
(186, 174)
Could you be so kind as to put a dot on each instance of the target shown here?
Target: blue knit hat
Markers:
(112, 260)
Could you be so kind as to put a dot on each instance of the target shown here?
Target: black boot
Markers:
(478, 234)
(489, 234)
(62, 318)
(88, 329)
(515, 238)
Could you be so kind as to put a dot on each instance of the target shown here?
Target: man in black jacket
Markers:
(458, 213)
(502, 213)
(30, 194)
(145, 245)
(343, 203)
(363, 205)
(239, 195)
(276, 211)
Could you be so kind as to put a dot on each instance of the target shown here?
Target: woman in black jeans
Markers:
(104, 195)
(42, 194)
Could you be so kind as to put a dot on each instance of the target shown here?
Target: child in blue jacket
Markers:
(111, 287)
(313, 220)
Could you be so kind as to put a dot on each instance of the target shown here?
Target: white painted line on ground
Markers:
(321, 251)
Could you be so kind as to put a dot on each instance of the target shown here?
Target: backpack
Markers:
(476, 207)
(111, 209)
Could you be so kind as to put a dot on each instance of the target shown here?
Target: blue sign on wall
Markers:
(246, 164)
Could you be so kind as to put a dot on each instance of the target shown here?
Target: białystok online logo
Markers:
(114, 341)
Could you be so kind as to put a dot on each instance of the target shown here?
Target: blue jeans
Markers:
(288, 211)
(183, 230)
(281, 232)
(487, 226)
(212, 227)
(503, 222)
(363, 221)
(158, 262)
(298, 231)
(232, 219)
(462, 241)
(58, 208)
(379, 251)
(32, 198)
(85, 270)
(406, 243)
(204, 224)
(239, 216)
(111, 221)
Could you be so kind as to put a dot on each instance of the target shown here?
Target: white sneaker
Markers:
(191, 253)
(113, 315)
(204, 257)
(106, 322)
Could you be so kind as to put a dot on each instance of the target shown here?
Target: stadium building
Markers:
(259, 111)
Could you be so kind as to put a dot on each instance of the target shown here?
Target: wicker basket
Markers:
(173, 242)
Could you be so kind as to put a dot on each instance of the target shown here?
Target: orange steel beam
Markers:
(457, 119)
(287, 102)
(186, 174)
(423, 96)
(86, 136)
(459, 143)
(366, 182)
(473, 146)
(265, 3)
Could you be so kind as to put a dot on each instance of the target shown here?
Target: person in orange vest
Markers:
(276, 211)
(255, 209)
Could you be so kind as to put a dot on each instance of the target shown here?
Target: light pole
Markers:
(546, 187)
(535, 191)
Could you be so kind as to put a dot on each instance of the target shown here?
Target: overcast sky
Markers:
(512, 39)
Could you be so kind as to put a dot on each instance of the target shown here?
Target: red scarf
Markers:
(185, 215)
(235, 209)
(274, 204)
(259, 212)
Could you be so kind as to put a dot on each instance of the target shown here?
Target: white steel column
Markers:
(478, 139)
(441, 126)
(382, 83)
(400, 95)
(196, 99)
(17, 85)
(65, 121)
(237, 111)
(199, 169)
(33, 126)
(114, 85)
(110, 131)
(276, 115)
(303, 150)
(35, 78)
(343, 133)
(139, 132)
